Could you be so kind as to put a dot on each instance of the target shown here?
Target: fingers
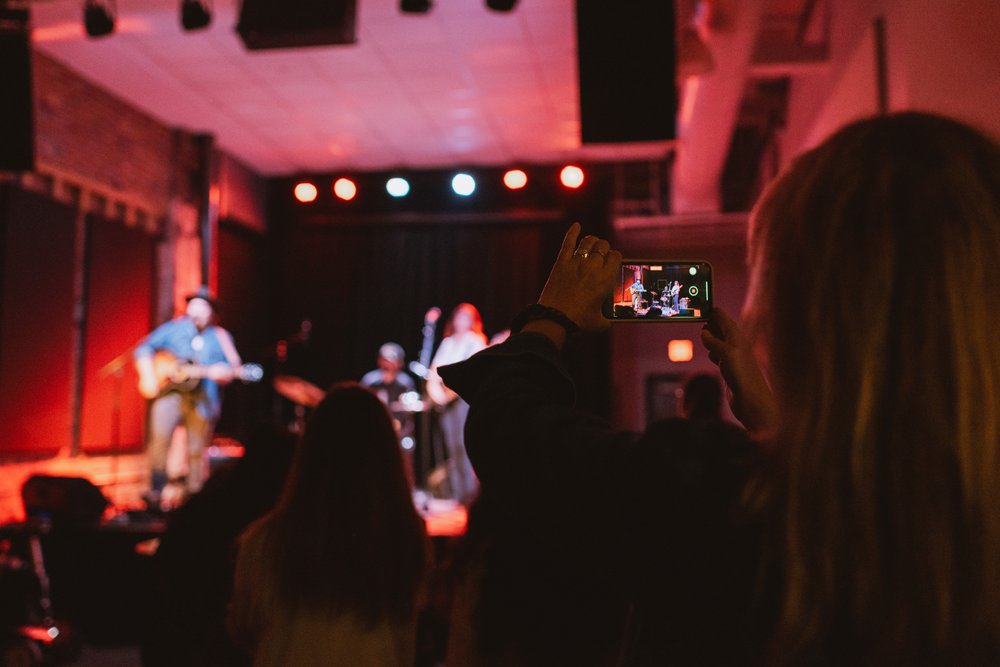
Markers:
(586, 246)
(714, 345)
(569, 241)
(725, 327)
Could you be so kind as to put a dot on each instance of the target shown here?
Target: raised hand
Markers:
(581, 279)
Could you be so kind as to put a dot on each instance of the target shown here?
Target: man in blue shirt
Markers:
(195, 403)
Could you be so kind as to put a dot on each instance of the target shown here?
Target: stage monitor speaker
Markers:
(622, 310)
(17, 134)
(266, 24)
(627, 67)
(66, 501)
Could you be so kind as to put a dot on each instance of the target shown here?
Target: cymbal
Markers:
(298, 390)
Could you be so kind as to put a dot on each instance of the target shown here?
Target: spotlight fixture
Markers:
(196, 14)
(515, 179)
(501, 5)
(571, 176)
(397, 187)
(306, 192)
(345, 189)
(99, 17)
(415, 6)
(463, 184)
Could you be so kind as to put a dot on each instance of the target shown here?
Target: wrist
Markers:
(555, 333)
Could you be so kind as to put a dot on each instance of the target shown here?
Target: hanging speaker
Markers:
(627, 72)
(267, 24)
(17, 133)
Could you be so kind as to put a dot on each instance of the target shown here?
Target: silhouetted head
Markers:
(702, 397)
(887, 387)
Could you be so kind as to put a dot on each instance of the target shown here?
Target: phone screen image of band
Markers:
(662, 291)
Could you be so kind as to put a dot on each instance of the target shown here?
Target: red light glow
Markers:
(306, 192)
(345, 189)
(571, 176)
(680, 350)
(515, 179)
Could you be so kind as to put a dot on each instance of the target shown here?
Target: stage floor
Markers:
(123, 480)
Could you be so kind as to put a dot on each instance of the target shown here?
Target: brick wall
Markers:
(84, 131)
(88, 136)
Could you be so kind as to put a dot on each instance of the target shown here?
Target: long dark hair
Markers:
(345, 536)
(890, 445)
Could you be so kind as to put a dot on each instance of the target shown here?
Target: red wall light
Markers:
(345, 189)
(680, 350)
(515, 179)
(571, 176)
(306, 192)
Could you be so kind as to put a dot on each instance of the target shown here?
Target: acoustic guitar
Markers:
(173, 374)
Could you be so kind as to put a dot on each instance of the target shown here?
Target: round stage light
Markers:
(693, 270)
(515, 179)
(306, 192)
(345, 189)
(463, 184)
(571, 176)
(397, 187)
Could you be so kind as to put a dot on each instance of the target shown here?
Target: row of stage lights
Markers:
(462, 184)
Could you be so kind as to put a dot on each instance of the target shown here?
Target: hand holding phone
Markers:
(661, 290)
(579, 279)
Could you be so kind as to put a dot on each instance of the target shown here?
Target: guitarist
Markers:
(189, 338)
(463, 337)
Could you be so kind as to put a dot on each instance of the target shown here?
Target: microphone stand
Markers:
(116, 369)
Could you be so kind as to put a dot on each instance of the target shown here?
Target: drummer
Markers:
(390, 382)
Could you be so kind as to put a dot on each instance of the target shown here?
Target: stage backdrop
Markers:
(36, 327)
(35, 323)
(365, 284)
(120, 279)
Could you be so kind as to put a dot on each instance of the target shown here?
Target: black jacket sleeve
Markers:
(523, 434)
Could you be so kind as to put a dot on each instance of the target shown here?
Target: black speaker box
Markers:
(266, 24)
(17, 133)
(622, 310)
(66, 501)
(627, 68)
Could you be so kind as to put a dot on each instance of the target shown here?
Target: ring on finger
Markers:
(582, 253)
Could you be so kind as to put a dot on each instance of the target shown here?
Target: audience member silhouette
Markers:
(193, 566)
(334, 574)
(861, 522)
(701, 397)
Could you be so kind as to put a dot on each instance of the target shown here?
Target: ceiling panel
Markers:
(460, 85)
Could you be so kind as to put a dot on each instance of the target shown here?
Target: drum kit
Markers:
(306, 394)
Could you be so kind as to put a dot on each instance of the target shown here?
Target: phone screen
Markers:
(661, 290)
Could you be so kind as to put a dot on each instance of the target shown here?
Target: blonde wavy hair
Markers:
(875, 289)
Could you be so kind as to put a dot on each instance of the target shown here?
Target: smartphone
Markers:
(661, 290)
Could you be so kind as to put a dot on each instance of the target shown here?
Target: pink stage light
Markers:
(571, 176)
(680, 350)
(306, 192)
(515, 179)
(345, 189)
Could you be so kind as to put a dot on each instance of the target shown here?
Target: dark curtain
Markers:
(35, 322)
(364, 284)
(245, 289)
(121, 278)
